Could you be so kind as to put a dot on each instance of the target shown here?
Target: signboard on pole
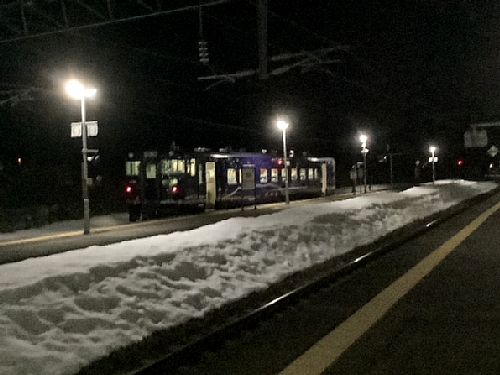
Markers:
(493, 151)
(475, 138)
(248, 177)
(76, 129)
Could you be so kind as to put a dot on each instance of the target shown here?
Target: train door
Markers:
(211, 188)
(150, 191)
(324, 179)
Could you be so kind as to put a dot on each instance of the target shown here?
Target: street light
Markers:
(363, 138)
(77, 91)
(283, 125)
(432, 150)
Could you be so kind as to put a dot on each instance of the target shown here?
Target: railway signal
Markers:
(203, 52)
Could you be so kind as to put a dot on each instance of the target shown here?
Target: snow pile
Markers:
(60, 312)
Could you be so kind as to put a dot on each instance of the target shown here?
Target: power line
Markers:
(116, 21)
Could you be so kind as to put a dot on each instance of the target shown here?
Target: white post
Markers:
(285, 159)
(364, 160)
(433, 170)
(283, 125)
(363, 138)
(86, 203)
(432, 149)
(78, 91)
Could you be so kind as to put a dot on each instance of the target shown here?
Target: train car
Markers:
(177, 182)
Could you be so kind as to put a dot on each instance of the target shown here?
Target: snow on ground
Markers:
(60, 312)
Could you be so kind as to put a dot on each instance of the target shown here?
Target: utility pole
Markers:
(262, 37)
(202, 44)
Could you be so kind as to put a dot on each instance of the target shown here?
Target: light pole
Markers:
(283, 125)
(363, 138)
(77, 91)
(432, 150)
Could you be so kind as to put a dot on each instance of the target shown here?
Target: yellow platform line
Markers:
(326, 351)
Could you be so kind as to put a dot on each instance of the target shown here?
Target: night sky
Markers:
(407, 73)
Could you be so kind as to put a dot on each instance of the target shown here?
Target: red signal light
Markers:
(175, 189)
(460, 162)
(128, 189)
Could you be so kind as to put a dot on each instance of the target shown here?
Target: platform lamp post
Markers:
(432, 150)
(77, 91)
(283, 125)
(363, 138)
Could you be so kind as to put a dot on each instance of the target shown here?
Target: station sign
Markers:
(475, 138)
(493, 151)
(248, 177)
(76, 129)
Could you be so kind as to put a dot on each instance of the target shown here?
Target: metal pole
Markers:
(287, 199)
(364, 157)
(433, 172)
(86, 206)
(390, 159)
(262, 37)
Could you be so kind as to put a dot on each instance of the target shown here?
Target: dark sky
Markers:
(408, 73)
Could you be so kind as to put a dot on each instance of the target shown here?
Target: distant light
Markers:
(363, 138)
(283, 125)
(432, 149)
(175, 189)
(460, 162)
(128, 189)
(19, 160)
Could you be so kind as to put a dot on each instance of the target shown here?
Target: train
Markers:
(159, 184)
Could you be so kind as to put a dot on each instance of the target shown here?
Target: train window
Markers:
(172, 165)
(165, 166)
(231, 176)
(181, 166)
(303, 174)
(192, 167)
(285, 174)
(151, 170)
(263, 176)
(294, 174)
(274, 175)
(132, 168)
(311, 174)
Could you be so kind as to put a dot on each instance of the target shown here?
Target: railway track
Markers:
(166, 351)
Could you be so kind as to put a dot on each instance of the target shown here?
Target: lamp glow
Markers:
(283, 125)
(76, 90)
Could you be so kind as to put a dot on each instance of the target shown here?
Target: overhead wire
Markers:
(116, 21)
